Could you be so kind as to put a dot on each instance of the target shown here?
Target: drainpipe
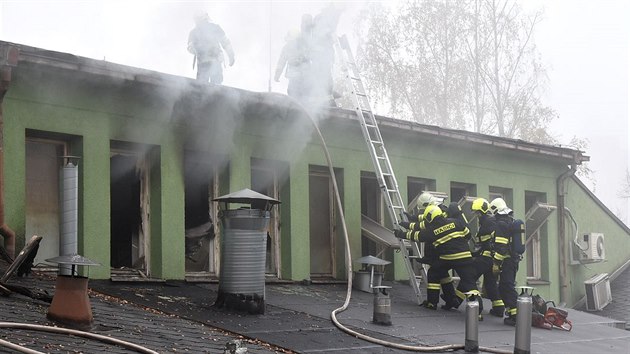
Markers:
(8, 59)
(562, 243)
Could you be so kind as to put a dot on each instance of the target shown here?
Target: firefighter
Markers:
(323, 52)
(447, 235)
(430, 255)
(509, 246)
(293, 58)
(207, 41)
(485, 264)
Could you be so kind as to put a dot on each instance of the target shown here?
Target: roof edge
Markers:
(601, 204)
(569, 154)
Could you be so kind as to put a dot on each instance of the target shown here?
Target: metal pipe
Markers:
(562, 244)
(523, 333)
(68, 238)
(471, 345)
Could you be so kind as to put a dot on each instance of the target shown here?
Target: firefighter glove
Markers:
(405, 224)
(400, 234)
(409, 216)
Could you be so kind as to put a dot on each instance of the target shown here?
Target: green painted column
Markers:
(167, 202)
(14, 149)
(352, 210)
(94, 196)
(300, 259)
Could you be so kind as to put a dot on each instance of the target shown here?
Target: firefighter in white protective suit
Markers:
(207, 41)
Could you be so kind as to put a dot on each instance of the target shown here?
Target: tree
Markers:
(584, 171)
(458, 64)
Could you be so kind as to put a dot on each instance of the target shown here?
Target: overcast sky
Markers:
(585, 45)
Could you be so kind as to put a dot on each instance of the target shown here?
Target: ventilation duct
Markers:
(68, 240)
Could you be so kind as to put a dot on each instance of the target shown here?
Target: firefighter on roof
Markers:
(207, 41)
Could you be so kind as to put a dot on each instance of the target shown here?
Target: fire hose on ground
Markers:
(68, 331)
(333, 314)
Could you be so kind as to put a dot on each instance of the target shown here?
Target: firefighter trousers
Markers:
(507, 284)
(483, 267)
(440, 271)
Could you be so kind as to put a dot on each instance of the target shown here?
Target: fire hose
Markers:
(60, 330)
(333, 314)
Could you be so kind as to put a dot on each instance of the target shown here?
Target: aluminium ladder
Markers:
(380, 159)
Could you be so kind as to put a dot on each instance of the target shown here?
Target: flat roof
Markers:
(61, 60)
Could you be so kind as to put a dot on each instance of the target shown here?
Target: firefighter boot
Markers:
(428, 305)
(510, 320)
(497, 311)
(450, 303)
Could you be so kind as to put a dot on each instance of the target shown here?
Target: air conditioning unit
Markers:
(592, 247)
(598, 293)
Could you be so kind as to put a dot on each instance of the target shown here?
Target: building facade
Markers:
(155, 150)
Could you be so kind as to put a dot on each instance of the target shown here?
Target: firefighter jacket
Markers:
(207, 42)
(485, 235)
(447, 235)
(295, 57)
(455, 211)
(509, 238)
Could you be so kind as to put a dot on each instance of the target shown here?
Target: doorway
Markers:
(371, 207)
(200, 213)
(43, 164)
(322, 217)
(265, 179)
(129, 202)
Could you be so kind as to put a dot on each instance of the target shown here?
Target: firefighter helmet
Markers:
(431, 212)
(425, 199)
(201, 17)
(498, 206)
(480, 204)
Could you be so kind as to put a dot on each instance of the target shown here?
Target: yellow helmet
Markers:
(425, 199)
(480, 204)
(431, 212)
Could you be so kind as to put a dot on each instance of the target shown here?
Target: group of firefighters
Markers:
(498, 248)
(306, 59)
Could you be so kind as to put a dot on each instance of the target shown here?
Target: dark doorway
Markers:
(370, 207)
(198, 209)
(125, 210)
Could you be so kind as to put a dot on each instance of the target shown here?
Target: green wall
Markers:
(592, 217)
(91, 111)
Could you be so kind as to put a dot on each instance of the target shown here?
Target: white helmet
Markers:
(498, 206)
(425, 199)
(201, 16)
